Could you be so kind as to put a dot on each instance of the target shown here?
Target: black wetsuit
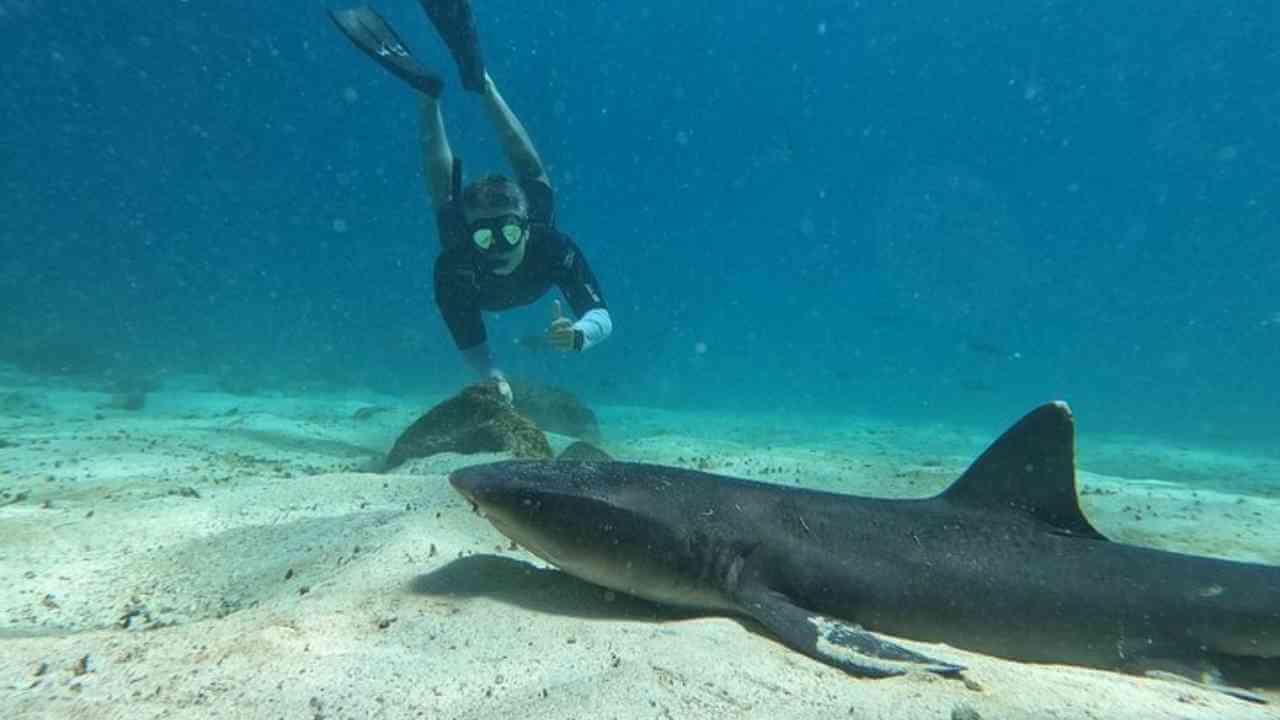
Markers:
(464, 287)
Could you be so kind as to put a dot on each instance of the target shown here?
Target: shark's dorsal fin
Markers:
(1031, 469)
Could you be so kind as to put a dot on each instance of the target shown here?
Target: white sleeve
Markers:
(595, 326)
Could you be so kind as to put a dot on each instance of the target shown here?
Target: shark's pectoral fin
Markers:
(1207, 672)
(1214, 686)
(836, 643)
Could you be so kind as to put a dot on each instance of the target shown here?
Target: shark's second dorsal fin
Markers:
(1031, 468)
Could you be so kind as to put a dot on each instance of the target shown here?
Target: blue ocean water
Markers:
(940, 210)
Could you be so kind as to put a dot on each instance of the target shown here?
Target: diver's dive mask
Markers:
(498, 234)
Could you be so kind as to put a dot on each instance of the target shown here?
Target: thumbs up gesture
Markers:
(560, 335)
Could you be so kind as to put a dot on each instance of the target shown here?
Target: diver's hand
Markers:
(561, 335)
(504, 387)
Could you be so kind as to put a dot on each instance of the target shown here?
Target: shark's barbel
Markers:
(1003, 562)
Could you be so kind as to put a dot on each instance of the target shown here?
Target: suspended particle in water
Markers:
(339, 226)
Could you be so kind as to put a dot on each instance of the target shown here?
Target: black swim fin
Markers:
(457, 27)
(368, 31)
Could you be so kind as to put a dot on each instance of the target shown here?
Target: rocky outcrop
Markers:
(555, 410)
(582, 451)
(476, 420)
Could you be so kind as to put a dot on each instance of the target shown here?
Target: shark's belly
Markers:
(1015, 633)
(1024, 617)
(1045, 598)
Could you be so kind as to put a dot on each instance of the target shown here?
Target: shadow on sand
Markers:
(546, 590)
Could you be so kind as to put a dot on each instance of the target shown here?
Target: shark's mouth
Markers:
(475, 506)
(524, 540)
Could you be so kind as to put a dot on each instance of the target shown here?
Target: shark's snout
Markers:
(469, 483)
(493, 487)
(463, 480)
(474, 481)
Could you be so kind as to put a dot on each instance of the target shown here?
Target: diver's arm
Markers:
(461, 313)
(437, 156)
(592, 328)
(579, 285)
(516, 143)
(480, 360)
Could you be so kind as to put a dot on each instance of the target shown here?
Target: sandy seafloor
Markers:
(222, 556)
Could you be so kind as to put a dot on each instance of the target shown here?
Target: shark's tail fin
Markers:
(1031, 469)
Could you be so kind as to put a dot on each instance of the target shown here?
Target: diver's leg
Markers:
(516, 143)
(437, 156)
(455, 22)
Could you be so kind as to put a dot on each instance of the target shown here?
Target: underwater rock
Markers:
(133, 384)
(238, 381)
(52, 355)
(582, 451)
(17, 403)
(475, 420)
(125, 401)
(368, 411)
(555, 410)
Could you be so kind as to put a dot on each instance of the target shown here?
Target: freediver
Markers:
(500, 247)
